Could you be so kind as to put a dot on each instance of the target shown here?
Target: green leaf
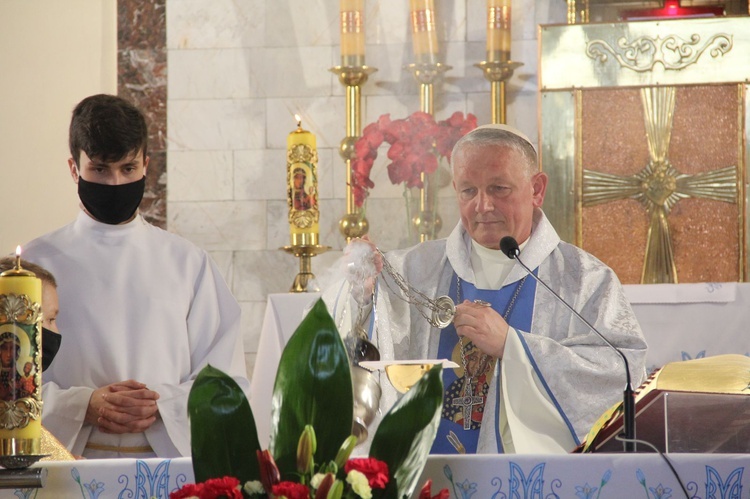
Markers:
(405, 436)
(313, 386)
(222, 428)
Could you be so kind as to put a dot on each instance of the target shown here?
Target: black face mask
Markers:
(111, 204)
(50, 345)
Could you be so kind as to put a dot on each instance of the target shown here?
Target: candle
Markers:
(423, 34)
(498, 30)
(352, 32)
(302, 186)
(20, 361)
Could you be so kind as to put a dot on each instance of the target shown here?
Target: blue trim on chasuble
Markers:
(452, 417)
(548, 390)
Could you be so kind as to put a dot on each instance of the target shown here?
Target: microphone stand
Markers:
(628, 399)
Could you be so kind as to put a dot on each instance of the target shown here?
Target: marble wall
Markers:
(240, 69)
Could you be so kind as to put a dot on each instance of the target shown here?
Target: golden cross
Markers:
(659, 186)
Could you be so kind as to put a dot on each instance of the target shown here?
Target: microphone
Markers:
(509, 246)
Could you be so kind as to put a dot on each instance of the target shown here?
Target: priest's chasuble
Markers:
(136, 302)
(556, 376)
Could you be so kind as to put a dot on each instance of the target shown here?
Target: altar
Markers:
(481, 477)
(679, 321)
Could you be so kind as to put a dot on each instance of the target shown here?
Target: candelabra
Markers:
(497, 73)
(427, 222)
(354, 223)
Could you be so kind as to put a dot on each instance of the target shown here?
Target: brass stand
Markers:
(353, 224)
(305, 275)
(427, 222)
(497, 73)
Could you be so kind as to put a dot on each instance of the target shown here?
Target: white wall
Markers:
(52, 54)
(238, 70)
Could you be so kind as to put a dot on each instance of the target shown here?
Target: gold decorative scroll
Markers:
(20, 309)
(672, 52)
(18, 413)
(659, 186)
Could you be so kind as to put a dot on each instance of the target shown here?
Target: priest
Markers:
(532, 377)
(143, 310)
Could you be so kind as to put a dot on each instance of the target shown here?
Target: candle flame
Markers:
(18, 257)
(299, 119)
(18, 250)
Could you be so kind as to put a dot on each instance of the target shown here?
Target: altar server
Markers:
(143, 310)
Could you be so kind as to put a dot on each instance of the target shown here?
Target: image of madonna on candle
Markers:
(10, 347)
(302, 197)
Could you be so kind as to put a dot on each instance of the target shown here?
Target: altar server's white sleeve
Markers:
(63, 414)
(534, 423)
(213, 326)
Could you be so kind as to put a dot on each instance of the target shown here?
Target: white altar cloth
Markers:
(481, 477)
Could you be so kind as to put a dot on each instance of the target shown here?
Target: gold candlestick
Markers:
(302, 198)
(497, 73)
(305, 275)
(427, 222)
(20, 372)
(353, 224)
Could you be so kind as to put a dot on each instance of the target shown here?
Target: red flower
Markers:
(376, 471)
(291, 490)
(426, 492)
(415, 143)
(214, 488)
(187, 490)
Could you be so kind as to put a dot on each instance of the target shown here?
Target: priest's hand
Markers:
(123, 407)
(482, 326)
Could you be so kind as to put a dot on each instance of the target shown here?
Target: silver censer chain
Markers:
(442, 309)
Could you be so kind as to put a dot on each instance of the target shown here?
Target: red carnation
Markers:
(216, 488)
(376, 471)
(291, 490)
(187, 490)
(426, 492)
(213, 488)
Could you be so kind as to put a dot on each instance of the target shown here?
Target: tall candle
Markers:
(498, 30)
(352, 32)
(423, 33)
(302, 186)
(20, 361)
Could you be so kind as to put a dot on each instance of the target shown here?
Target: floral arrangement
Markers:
(415, 144)
(311, 444)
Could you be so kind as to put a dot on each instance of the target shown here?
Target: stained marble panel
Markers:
(142, 79)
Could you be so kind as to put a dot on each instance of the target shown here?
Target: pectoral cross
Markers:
(659, 186)
(467, 402)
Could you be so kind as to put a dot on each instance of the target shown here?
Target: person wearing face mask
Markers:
(143, 310)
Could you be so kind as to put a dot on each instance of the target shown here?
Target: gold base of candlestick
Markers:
(427, 73)
(353, 76)
(305, 275)
(498, 70)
